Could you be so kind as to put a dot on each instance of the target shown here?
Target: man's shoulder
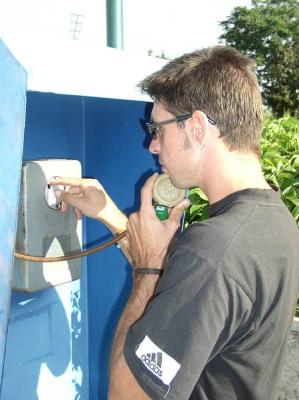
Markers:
(208, 239)
(246, 244)
(239, 223)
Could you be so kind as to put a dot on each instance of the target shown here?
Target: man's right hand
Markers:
(88, 197)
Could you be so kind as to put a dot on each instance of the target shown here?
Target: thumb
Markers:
(78, 213)
(177, 211)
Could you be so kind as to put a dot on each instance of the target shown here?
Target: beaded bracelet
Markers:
(147, 271)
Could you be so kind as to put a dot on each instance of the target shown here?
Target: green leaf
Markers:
(296, 213)
(293, 199)
(267, 31)
(205, 214)
(194, 198)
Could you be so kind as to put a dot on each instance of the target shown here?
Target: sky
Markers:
(174, 26)
(171, 26)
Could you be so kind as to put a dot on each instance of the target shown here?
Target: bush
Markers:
(280, 159)
(280, 164)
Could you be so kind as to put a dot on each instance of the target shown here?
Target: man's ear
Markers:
(200, 126)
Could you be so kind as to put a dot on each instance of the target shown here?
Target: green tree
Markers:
(268, 31)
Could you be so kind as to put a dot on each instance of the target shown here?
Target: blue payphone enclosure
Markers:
(59, 339)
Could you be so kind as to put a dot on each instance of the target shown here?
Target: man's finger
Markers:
(74, 190)
(64, 207)
(147, 191)
(69, 198)
(66, 181)
(78, 213)
(177, 211)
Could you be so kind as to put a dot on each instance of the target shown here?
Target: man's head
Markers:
(219, 81)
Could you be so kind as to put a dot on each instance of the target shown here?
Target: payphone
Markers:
(42, 230)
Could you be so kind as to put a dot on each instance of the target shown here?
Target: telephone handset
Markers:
(165, 196)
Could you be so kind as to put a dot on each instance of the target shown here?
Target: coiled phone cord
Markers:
(74, 255)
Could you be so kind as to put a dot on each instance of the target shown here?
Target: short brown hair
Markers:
(219, 81)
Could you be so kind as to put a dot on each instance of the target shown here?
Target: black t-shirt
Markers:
(218, 323)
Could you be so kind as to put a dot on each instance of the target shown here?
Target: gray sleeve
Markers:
(195, 312)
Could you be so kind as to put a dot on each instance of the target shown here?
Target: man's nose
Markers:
(154, 146)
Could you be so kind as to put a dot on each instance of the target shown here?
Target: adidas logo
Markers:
(157, 361)
(153, 361)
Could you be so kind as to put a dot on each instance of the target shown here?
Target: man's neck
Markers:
(235, 172)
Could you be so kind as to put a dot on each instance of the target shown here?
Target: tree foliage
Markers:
(268, 31)
(280, 159)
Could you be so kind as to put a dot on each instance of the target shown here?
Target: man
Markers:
(208, 316)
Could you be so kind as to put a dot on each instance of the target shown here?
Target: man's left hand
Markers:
(148, 237)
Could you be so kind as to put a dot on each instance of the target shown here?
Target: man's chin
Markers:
(172, 179)
(175, 183)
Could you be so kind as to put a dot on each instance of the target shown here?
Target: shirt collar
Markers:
(251, 194)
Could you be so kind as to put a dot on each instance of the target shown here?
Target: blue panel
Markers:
(116, 154)
(47, 347)
(12, 115)
(108, 139)
(54, 126)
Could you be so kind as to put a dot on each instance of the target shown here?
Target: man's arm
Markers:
(148, 240)
(145, 245)
(88, 197)
(123, 385)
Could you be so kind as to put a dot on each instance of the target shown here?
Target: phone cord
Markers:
(72, 256)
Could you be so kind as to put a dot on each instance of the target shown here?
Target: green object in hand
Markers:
(161, 212)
